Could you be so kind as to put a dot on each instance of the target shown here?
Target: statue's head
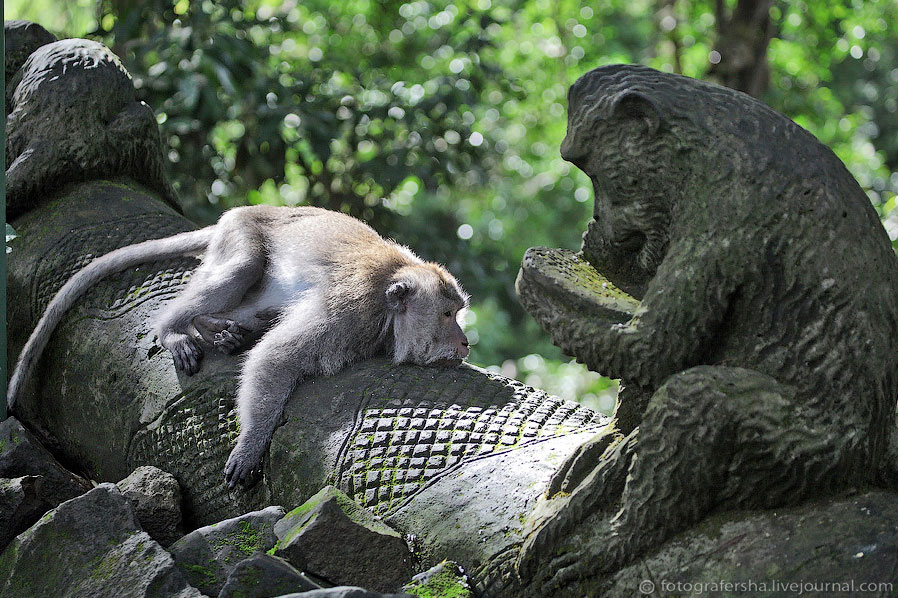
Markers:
(21, 39)
(74, 116)
(618, 135)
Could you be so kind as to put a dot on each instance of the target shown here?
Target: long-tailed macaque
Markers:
(323, 290)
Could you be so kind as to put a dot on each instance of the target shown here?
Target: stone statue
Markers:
(761, 360)
(21, 39)
(454, 459)
(73, 116)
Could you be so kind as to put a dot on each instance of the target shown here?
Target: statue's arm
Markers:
(673, 326)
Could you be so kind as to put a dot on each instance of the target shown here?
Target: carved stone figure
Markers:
(73, 116)
(764, 346)
(454, 459)
(457, 457)
(21, 38)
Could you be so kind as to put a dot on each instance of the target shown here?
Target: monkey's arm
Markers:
(683, 306)
(296, 348)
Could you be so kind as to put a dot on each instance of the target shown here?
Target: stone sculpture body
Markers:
(764, 348)
(457, 457)
(453, 457)
(114, 134)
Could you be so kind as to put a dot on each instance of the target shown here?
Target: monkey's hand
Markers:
(246, 457)
(185, 352)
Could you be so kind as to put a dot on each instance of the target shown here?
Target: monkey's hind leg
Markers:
(232, 264)
(228, 335)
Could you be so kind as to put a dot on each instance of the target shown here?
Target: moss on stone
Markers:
(203, 577)
(446, 584)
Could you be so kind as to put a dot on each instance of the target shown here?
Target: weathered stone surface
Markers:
(845, 541)
(156, 498)
(90, 546)
(263, 576)
(73, 115)
(344, 592)
(333, 537)
(208, 555)
(21, 38)
(21, 504)
(761, 360)
(445, 580)
(21, 454)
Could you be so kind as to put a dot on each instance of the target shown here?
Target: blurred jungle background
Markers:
(439, 122)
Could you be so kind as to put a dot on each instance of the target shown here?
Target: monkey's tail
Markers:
(182, 244)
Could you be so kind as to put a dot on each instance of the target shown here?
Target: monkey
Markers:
(316, 291)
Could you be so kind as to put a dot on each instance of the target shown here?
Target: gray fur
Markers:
(321, 289)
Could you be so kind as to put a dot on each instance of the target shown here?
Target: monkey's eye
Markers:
(448, 314)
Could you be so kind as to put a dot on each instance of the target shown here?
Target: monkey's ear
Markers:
(635, 104)
(397, 295)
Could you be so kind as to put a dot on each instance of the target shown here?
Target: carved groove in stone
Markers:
(402, 442)
(129, 288)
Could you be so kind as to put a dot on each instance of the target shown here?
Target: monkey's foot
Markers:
(185, 352)
(552, 521)
(225, 335)
(244, 459)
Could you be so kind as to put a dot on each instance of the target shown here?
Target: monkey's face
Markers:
(426, 304)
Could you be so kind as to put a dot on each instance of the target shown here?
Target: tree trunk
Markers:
(739, 58)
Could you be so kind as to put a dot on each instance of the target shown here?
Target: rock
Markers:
(345, 592)
(445, 580)
(21, 454)
(262, 576)
(846, 540)
(333, 537)
(31, 481)
(21, 504)
(208, 555)
(156, 498)
(90, 546)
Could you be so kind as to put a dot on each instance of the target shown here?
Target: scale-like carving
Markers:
(131, 287)
(190, 439)
(401, 443)
(762, 358)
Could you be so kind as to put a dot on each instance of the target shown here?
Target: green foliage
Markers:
(439, 121)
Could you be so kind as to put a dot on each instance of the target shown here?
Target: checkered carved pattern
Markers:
(129, 288)
(398, 447)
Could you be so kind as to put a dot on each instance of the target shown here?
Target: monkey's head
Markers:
(618, 134)
(425, 304)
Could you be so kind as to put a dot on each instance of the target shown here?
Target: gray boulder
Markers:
(90, 546)
(21, 454)
(333, 537)
(156, 498)
(208, 555)
(21, 505)
(31, 481)
(262, 576)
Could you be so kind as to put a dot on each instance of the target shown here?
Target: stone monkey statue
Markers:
(764, 347)
(73, 115)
